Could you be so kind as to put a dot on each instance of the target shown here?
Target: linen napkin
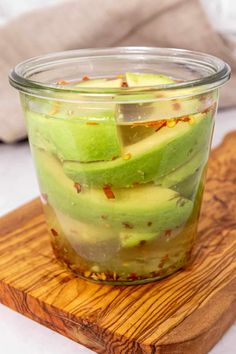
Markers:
(103, 23)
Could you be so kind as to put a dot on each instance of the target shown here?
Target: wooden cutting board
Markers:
(185, 313)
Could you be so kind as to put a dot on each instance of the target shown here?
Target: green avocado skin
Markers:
(146, 208)
(151, 158)
(84, 139)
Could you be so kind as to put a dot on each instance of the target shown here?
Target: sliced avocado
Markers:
(165, 107)
(143, 208)
(131, 238)
(195, 164)
(100, 83)
(147, 79)
(149, 159)
(190, 185)
(85, 139)
(77, 231)
(78, 132)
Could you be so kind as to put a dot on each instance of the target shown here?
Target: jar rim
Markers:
(19, 76)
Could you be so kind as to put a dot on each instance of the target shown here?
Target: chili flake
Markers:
(149, 223)
(133, 276)
(108, 191)
(104, 217)
(77, 187)
(124, 84)
(94, 276)
(54, 109)
(101, 276)
(163, 260)
(92, 123)
(85, 78)
(210, 108)
(87, 273)
(176, 106)
(54, 232)
(168, 232)
(62, 82)
(127, 225)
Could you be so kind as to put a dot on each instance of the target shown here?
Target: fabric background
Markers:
(104, 23)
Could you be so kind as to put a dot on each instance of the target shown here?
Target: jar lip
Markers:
(18, 75)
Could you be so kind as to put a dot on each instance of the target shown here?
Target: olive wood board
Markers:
(187, 312)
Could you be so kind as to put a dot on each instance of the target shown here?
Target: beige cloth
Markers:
(103, 23)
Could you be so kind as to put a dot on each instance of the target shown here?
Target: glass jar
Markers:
(121, 170)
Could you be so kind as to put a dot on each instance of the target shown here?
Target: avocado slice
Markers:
(147, 79)
(76, 132)
(145, 208)
(99, 83)
(191, 184)
(194, 165)
(149, 159)
(165, 107)
(131, 238)
(84, 139)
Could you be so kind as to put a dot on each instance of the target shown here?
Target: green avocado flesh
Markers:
(145, 208)
(150, 158)
(132, 239)
(100, 83)
(76, 132)
(83, 139)
(196, 164)
(163, 108)
(78, 232)
(146, 79)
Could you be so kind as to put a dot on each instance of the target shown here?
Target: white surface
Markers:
(18, 184)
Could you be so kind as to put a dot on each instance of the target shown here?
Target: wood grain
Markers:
(185, 313)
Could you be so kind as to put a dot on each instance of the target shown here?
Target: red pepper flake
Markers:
(114, 158)
(77, 187)
(184, 119)
(165, 258)
(62, 82)
(202, 98)
(142, 243)
(176, 106)
(133, 276)
(149, 223)
(85, 78)
(168, 232)
(210, 109)
(109, 194)
(158, 124)
(54, 232)
(124, 84)
(92, 123)
(127, 225)
(163, 261)
(163, 124)
(104, 217)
